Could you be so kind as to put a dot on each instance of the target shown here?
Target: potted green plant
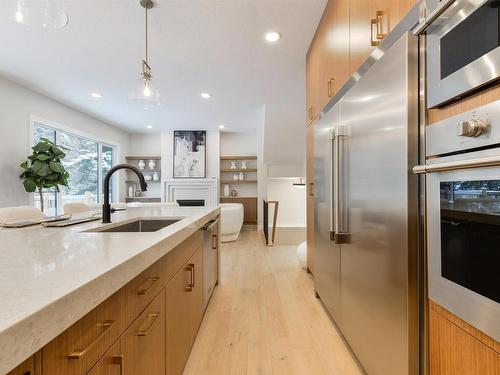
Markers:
(43, 169)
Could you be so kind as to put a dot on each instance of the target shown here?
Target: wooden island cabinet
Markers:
(146, 328)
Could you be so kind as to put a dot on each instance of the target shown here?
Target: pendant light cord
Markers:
(147, 62)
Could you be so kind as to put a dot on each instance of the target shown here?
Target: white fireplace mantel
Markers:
(191, 188)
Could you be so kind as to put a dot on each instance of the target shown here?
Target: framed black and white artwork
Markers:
(190, 153)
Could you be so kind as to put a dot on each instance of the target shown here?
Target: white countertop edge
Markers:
(28, 335)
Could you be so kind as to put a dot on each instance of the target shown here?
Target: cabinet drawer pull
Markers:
(153, 317)
(380, 18)
(190, 268)
(118, 360)
(106, 325)
(331, 87)
(311, 112)
(373, 27)
(214, 241)
(147, 285)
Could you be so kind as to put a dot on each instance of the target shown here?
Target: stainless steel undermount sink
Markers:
(138, 225)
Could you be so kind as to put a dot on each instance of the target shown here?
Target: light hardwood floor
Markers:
(264, 318)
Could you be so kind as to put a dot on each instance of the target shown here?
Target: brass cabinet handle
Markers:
(190, 268)
(106, 325)
(380, 18)
(145, 332)
(118, 360)
(148, 284)
(311, 112)
(331, 87)
(373, 26)
(311, 189)
(214, 241)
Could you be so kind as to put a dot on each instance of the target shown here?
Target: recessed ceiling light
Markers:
(149, 126)
(272, 36)
(221, 126)
(96, 95)
(206, 95)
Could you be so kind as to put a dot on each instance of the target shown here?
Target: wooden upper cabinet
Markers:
(327, 65)
(370, 22)
(312, 81)
(335, 48)
(347, 34)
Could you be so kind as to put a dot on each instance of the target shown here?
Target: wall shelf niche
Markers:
(246, 189)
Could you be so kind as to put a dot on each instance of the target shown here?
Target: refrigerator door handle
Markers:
(342, 234)
(334, 184)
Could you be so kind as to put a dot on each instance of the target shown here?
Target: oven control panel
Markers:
(471, 130)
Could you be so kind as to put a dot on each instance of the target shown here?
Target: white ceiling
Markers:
(195, 46)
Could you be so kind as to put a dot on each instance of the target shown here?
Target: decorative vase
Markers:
(235, 177)
(234, 193)
(141, 164)
(233, 165)
(130, 191)
(226, 191)
(241, 177)
(152, 164)
(156, 176)
(148, 177)
(244, 164)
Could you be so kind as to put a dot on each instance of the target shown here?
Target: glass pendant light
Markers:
(48, 14)
(145, 92)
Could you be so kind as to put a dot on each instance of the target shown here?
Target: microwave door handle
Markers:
(489, 161)
(431, 17)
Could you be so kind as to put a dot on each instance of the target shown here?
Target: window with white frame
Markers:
(87, 162)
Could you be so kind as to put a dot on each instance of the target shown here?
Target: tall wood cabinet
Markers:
(310, 198)
(347, 34)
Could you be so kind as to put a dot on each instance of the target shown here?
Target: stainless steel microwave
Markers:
(463, 50)
(463, 216)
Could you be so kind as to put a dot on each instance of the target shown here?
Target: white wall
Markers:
(147, 144)
(17, 104)
(243, 143)
(292, 202)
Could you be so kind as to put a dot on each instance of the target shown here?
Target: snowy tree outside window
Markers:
(87, 162)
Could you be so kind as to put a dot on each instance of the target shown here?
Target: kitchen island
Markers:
(55, 279)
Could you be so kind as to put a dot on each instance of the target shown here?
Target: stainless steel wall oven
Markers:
(463, 216)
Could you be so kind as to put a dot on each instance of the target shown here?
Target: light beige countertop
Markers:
(52, 277)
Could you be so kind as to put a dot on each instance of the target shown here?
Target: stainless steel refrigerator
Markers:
(366, 202)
